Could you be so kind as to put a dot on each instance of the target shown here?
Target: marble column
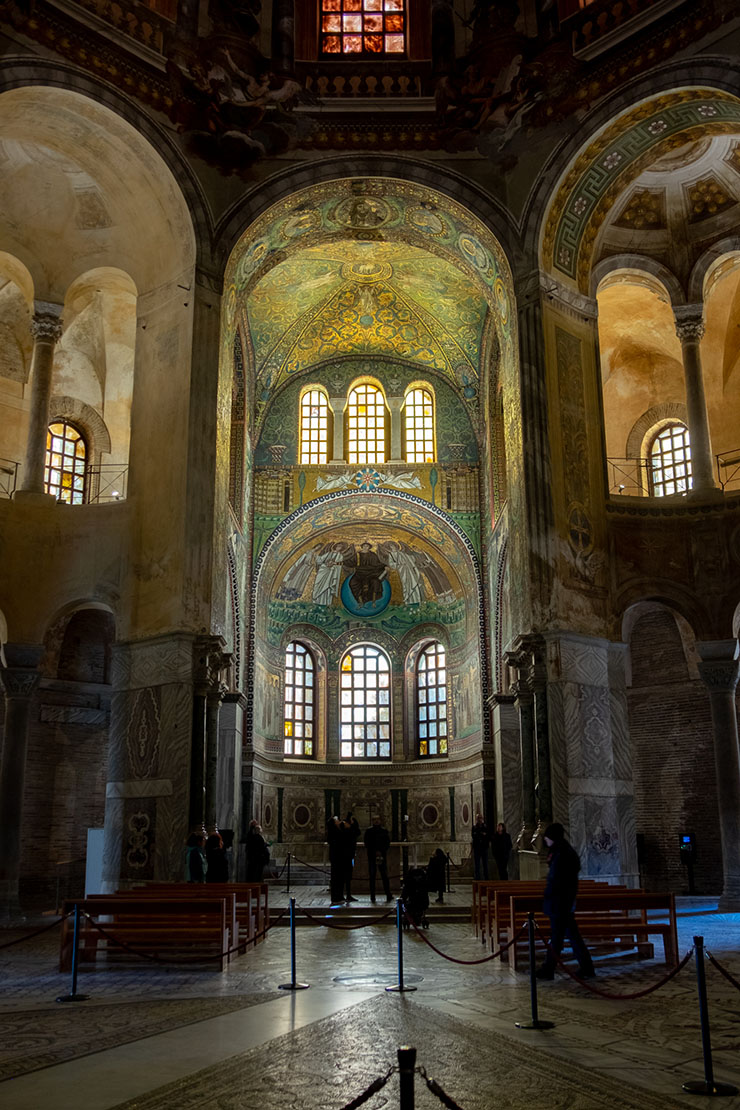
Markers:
(46, 329)
(395, 404)
(213, 759)
(720, 670)
(524, 705)
(690, 329)
(283, 37)
(543, 788)
(337, 407)
(209, 664)
(19, 681)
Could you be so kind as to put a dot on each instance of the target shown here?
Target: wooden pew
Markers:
(614, 915)
(159, 927)
(496, 909)
(252, 904)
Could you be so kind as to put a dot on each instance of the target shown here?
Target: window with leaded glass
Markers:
(365, 425)
(418, 426)
(299, 701)
(365, 704)
(66, 457)
(365, 27)
(314, 427)
(670, 461)
(431, 701)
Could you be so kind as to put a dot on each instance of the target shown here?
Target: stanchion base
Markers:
(294, 986)
(398, 989)
(535, 1024)
(701, 1087)
(72, 998)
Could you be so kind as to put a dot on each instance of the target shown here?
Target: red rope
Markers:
(723, 971)
(453, 959)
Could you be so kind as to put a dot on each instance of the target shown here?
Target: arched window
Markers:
(313, 433)
(670, 461)
(365, 704)
(299, 701)
(365, 27)
(431, 701)
(366, 433)
(66, 456)
(418, 426)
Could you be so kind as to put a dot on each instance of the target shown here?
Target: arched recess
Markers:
(671, 738)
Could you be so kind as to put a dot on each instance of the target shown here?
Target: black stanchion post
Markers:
(449, 884)
(73, 996)
(293, 985)
(535, 1022)
(406, 1072)
(287, 881)
(707, 1085)
(400, 987)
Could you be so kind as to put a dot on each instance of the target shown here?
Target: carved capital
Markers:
(17, 682)
(720, 664)
(46, 323)
(689, 321)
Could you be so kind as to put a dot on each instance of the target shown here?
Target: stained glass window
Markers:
(431, 702)
(365, 425)
(365, 704)
(314, 429)
(670, 461)
(66, 455)
(299, 701)
(366, 27)
(418, 426)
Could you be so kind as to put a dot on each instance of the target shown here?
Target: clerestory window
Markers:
(299, 701)
(314, 428)
(431, 701)
(670, 461)
(366, 425)
(66, 459)
(365, 704)
(418, 426)
(366, 27)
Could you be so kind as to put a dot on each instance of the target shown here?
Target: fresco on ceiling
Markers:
(377, 574)
(366, 298)
(454, 432)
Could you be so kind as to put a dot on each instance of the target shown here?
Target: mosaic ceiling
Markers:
(369, 267)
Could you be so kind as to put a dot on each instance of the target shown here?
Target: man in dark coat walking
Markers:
(559, 903)
(377, 842)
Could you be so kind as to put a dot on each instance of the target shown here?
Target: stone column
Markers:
(332, 714)
(283, 37)
(690, 329)
(210, 661)
(19, 681)
(720, 670)
(337, 407)
(395, 404)
(46, 329)
(524, 705)
(543, 789)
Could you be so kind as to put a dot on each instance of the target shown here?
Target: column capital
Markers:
(720, 664)
(689, 321)
(46, 322)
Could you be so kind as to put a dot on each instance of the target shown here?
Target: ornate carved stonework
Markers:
(46, 327)
(689, 321)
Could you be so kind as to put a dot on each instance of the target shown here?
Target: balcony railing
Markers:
(106, 483)
(8, 477)
(728, 469)
(598, 25)
(628, 477)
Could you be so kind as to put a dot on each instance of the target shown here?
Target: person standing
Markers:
(501, 848)
(560, 902)
(257, 853)
(377, 842)
(196, 864)
(481, 841)
(218, 865)
(437, 874)
(349, 834)
(336, 872)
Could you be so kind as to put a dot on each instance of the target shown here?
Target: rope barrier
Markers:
(333, 925)
(376, 1085)
(454, 959)
(439, 1091)
(619, 997)
(303, 863)
(723, 971)
(37, 933)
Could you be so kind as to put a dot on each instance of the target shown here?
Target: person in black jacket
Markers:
(349, 834)
(377, 842)
(559, 903)
(501, 848)
(257, 853)
(481, 840)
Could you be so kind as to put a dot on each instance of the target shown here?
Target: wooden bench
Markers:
(495, 912)
(251, 904)
(614, 915)
(160, 927)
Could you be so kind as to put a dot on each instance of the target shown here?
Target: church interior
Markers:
(369, 443)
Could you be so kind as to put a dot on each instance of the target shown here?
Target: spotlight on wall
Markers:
(621, 489)
(115, 495)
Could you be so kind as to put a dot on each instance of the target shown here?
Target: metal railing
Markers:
(628, 477)
(728, 469)
(106, 483)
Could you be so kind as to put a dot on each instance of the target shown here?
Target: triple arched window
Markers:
(365, 703)
(66, 463)
(670, 461)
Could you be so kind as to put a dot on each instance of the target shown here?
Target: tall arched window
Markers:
(365, 704)
(366, 425)
(418, 426)
(299, 701)
(66, 456)
(366, 27)
(313, 432)
(431, 701)
(670, 461)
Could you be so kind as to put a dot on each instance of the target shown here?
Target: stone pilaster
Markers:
(19, 681)
(690, 329)
(507, 776)
(283, 37)
(209, 664)
(395, 404)
(337, 407)
(524, 705)
(46, 329)
(720, 670)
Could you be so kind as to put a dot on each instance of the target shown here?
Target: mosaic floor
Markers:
(158, 1037)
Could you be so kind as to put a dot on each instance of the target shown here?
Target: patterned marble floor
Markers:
(155, 1037)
